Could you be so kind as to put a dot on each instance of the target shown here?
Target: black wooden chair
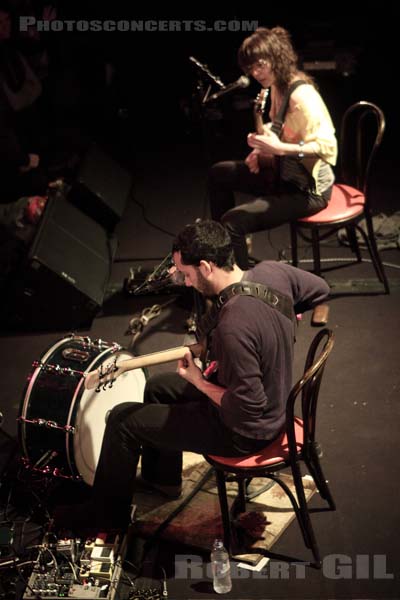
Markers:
(361, 134)
(297, 444)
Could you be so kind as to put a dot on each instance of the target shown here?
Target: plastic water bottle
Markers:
(221, 568)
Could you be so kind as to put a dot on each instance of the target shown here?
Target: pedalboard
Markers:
(72, 568)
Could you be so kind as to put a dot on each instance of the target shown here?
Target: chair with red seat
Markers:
(295, 445)
(362, 129)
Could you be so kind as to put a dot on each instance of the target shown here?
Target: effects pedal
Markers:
(73, 568)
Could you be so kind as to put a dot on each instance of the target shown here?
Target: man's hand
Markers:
(189, 370)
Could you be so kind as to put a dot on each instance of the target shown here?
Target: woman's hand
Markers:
(268, 143)
(252, 162)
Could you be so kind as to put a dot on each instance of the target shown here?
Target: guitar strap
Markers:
(290, 168)
(277, 123)
(266, 294)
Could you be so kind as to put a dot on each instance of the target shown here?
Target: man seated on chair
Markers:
(234, 405)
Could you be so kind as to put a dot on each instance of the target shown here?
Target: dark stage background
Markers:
(149, 120)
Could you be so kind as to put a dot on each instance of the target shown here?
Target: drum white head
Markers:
(94, 408)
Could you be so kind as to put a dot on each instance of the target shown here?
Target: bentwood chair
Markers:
(296, 445)
(361, 134)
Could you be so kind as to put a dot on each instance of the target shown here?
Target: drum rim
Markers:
(26, 394)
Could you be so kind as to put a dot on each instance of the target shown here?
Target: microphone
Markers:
(153, 285)
(242, 82)
(160, 278)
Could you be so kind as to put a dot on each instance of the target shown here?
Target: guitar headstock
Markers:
(103, 377)
(261, 99)
(259, 106)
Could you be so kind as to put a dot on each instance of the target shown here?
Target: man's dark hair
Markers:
(205, 240)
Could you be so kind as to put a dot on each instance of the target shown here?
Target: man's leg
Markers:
(160, 465)
(174, 417)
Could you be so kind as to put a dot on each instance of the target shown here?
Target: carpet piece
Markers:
(199, 523)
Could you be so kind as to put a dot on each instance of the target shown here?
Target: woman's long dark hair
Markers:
(274, 45)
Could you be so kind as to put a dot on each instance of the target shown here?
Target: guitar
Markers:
(266, 162)
(258, 110)
(109, 373)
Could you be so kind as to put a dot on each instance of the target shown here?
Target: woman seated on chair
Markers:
(234, 406)
(288, 171)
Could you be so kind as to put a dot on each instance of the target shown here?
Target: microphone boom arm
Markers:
(206, 71)
(242, 82)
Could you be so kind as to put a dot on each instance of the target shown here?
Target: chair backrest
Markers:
(307, 389)
(361, 134)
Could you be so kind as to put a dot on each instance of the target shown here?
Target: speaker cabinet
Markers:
(101, 189)
(66, 272)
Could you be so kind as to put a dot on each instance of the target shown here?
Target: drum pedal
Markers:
(45, 459)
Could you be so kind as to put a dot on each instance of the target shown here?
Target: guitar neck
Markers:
(258, 123)
(259, 106)
(99, 377)
(158, 358)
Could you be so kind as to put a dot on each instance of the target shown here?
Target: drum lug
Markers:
(49, 424)
(56, 369)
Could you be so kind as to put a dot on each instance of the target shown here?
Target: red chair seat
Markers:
(274, 453)
(346, 202)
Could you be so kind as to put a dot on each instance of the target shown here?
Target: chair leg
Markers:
(301, 511)
(224, 508)
(293, 237)
(315, 469)
(242, 493)
(307, 527)
(374, 252)
(316, 252)
(353, 241)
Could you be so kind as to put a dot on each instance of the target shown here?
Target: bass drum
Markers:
(61, 424)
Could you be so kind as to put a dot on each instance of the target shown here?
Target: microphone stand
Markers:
(204, 69)
(207, 113)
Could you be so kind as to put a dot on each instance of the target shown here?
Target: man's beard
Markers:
(203, 286)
